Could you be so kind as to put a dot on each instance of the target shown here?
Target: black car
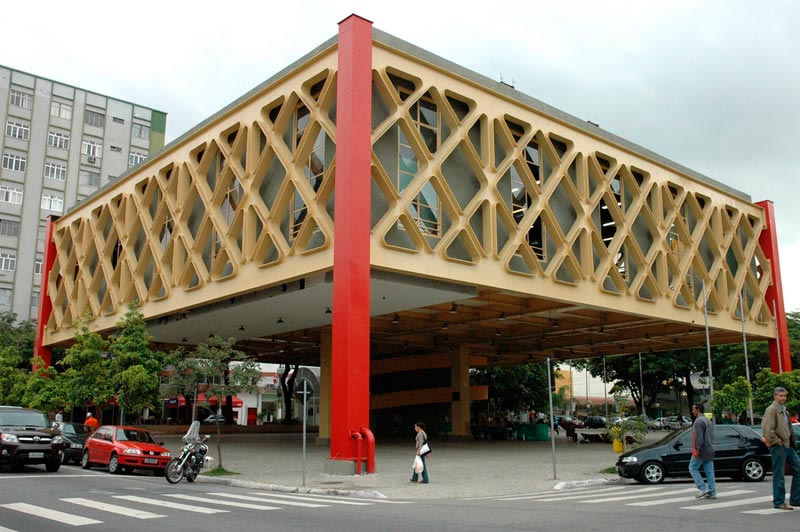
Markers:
(595, 422)
(74, 435)
(26, 438)
(738, 452)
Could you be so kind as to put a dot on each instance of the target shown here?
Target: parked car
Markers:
(796, 426)
(124, 449)
(565, 421)
(672, 423)
(213, 418)
(595, 422)
(27, 438)
(739, 453)
(75, 436)
(652, 424)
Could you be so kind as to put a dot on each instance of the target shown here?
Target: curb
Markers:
(366, 494)
(573, 484)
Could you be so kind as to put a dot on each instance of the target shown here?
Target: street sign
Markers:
(303, 390)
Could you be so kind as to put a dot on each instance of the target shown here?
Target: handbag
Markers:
(425, 449)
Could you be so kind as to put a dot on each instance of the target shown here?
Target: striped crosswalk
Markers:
(747, 498)
(210, 503)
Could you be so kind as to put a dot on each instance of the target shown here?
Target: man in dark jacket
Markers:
(702, 453)
(781, 440)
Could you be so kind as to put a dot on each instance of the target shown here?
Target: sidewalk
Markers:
(457, 468)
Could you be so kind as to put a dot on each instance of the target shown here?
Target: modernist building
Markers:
(396, 219)
(60, 144)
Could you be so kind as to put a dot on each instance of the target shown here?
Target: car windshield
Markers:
(140, 436)
(668, 437)
(24, 419)
(76, 429)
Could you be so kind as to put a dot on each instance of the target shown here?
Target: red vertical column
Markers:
(768, 240)
(351, 247)
(45, 305)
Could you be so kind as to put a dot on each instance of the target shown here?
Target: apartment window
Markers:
(89, 178)
(16, 163)
(21, 99)
(10, 195)
(135, 158)
(92, 148)
(8, 262)
(93, 118)
(140, 131)
(5, 296)
(61, 110)
(118, 120)
(18, 130)
(37, 267)
(9, 228)
(52, 203)
(58, 140)
(55, 171)
(34, 300)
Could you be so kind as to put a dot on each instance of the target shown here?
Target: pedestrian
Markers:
(60, 415)
(91, 421)
(421, 438)
(702, 453)
(781, 440)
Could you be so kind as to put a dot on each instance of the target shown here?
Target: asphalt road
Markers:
(32, 500)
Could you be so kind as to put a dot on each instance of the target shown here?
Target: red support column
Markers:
(351, 248)
(768, 240)
(45, 305)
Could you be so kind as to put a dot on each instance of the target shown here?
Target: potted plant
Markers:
(626, 431)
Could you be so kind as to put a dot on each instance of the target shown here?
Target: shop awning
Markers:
(212, 401)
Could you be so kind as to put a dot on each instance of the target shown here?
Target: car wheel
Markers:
(113, 465)
(85, 461)
(753, 470)
(652, 473)
(53, 465)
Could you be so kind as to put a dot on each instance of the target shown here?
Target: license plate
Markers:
(150, 461)
(35, 455)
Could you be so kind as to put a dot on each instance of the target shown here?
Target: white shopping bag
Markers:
(418, 465)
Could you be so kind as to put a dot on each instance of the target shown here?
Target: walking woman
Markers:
(421, 438)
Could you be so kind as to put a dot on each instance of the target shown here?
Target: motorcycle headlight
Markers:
(57, 440)
(629, 459)
(10, 438)
(166, 454)
(131, 451)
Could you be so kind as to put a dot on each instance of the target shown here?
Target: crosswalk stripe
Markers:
(263, 499)
(223, 503)
(640, 495)
(550, 494)
(168, 504)
(53, 515)
(4, 529)
(729, 504)
(113, 508)
(312, 499)
(765, 511)
(486, 497)
(589, 495)
(687, 499)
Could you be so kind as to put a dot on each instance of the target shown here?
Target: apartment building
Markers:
(60, 144)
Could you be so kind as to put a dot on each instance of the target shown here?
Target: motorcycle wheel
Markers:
(191, 475)
(174, 472)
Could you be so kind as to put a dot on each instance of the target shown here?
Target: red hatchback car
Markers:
(123, 449)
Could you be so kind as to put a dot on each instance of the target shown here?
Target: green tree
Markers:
(19, 335)
(13, 378)
(766, 382)
(733, 398)
(514, 388)
(134, 367)
(87, 378)
(45, 388)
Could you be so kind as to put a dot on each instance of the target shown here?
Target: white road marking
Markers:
(590, 495)
(168, 504)
(767, 511)
(4, 529)
(113, 508)
(223, 503)
(687, 499)
(53, 515)
(50, 476)
(494, 497)
(551, 494)
(311, 498)
(729, 504)
(639, 495)
(262, 499)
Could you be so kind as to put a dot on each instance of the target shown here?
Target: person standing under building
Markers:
(60, 415)
(91, 421)
(781, 440)
(702, 453)
(421, 438)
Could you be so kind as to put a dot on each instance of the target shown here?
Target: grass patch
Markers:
(219, 472)
(611, 469)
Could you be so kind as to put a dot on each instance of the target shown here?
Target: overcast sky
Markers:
(713, 85)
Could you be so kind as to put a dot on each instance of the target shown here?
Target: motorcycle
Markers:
(192, 459)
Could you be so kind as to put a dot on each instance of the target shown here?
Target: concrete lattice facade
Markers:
(60, 144)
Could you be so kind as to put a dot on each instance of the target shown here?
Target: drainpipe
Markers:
(358, 438)
(370, 440)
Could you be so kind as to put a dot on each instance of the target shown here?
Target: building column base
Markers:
(342, 467)
(322, 441)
